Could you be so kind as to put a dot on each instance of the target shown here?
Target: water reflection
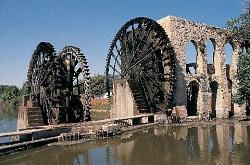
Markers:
(8, 121)
(218, 144)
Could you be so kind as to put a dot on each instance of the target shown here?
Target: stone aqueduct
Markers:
(180, 32)
(207, 90)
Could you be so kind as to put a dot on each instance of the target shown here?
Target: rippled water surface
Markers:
(218, 144)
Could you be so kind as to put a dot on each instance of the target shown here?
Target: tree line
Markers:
(241, 27)
(11, 95)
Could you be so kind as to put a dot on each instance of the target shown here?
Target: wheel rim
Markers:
(141, 52)
(47, 83)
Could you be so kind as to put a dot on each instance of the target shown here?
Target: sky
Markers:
(88, 24)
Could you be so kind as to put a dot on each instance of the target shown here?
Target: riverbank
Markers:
(75, 133)
(42, 135)
(213, 142)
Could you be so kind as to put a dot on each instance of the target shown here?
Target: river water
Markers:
(210, 144)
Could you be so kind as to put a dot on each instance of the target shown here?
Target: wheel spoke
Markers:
(116, 61)
(140, 59)
(115, 70)
(137, 48)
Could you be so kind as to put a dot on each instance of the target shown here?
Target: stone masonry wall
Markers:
(123, 101)
(180, 32)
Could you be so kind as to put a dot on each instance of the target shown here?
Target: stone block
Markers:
(123, 101)
(181, 111)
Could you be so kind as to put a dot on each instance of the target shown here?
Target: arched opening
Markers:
(191, 57)
(210, 47)
(210, 50)
(230, 84)
(228, 57)
(192, 97)
(229, 53)
(214, 89)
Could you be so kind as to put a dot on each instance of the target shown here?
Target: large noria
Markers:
(57, 88)
(152, 73)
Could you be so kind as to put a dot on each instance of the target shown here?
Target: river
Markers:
(210, 144)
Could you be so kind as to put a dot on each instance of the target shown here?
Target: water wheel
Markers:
(41, 59)
(142, 54)
(78, 78)
(60, 84)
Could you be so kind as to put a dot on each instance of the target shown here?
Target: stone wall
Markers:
(181, 32)
(123, 101)
(22, 120)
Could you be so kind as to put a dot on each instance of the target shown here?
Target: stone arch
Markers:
(214, 91)
(210, 51)
(192, 98)
(191, 53)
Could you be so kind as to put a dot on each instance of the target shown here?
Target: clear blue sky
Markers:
(88, 24)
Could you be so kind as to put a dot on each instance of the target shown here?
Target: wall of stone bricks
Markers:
(181, 32)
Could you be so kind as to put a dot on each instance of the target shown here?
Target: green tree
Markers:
(9, 93)
(10, 96)
(2, 88)
(243, 76)
(97, 85)
(241, 27)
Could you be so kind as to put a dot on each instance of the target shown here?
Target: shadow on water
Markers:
(217, 144)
